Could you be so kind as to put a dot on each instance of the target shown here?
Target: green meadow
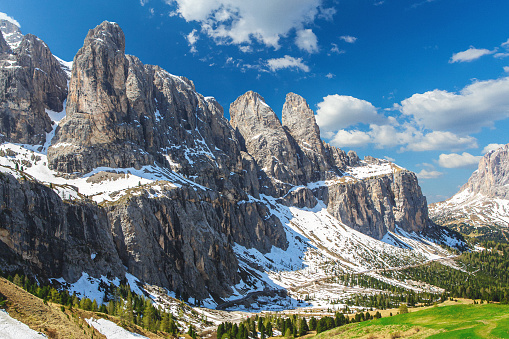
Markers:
(455, 321)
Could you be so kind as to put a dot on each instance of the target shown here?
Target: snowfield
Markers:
(11, 328)
(111, 330)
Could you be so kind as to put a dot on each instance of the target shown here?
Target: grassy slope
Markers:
(454, 321)
(49, 318)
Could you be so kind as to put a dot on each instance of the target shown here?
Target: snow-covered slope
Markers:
(11, 328)
(474, 209)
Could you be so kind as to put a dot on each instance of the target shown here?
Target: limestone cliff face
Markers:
(53, 238)
(184, 240)
(31, 81)
(376, 205)
(265, 139)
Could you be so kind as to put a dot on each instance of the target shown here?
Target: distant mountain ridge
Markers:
(484, 200)
(144, 176)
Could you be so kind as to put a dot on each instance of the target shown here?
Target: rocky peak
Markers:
(12, 33)
(301, 123)
(31, 81)
(492, 176)
(107, 33)
(265, 139)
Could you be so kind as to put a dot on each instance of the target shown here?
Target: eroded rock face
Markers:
(376, 205)
(185, 240)
(492, 176)
(265, 139)
(31, 81)
(53, 238)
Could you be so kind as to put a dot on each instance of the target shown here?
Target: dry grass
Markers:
(49, 319)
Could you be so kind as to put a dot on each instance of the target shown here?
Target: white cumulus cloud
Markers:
(491, 147)
(287, 62)
(240, 21)
(455, 160)
(4, 16)
(337, 112)
(351, 139)
(306, 40)
(506, 69)
(425, 174)
(477, 105)
(470, 54)
(437, 140)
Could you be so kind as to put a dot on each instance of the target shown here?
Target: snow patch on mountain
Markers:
(11, 328)
(111, 330)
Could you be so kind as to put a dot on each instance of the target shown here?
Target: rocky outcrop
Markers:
(31, 81)
(376, 205)
(53, 238)
(265, 139)
(492, 176)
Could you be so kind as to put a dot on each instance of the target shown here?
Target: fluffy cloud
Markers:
(240, 21)
(330, 75)
(287, 62)
(437, 140)
(491, 147)
(470, 54)
(454, 160)
(351, 139)
(477, 105)
(4, 16)
(306, 40)
(425, 174)
(348, 38)
(337, 112)
(506, 69)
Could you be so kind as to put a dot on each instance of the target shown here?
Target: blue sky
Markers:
(423, 82)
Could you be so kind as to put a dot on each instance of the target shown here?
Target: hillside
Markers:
(50, 319)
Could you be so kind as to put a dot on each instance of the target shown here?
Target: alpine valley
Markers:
(115, 172)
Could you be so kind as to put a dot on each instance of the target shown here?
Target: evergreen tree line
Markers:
(385, 301)
(289, 327)
(486, 277)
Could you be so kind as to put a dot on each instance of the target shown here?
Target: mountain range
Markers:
(113, 169)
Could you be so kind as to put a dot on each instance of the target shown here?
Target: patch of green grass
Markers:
(456, 321)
